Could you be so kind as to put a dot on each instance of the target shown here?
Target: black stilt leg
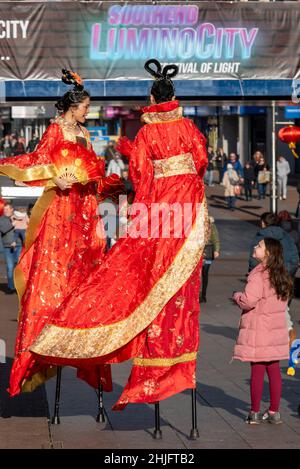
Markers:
(101, 415)
(55, 418)
(194, 431)
(157, 435)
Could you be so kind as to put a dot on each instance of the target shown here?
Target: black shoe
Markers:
(9, 291)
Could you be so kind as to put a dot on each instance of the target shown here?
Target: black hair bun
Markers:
(168, 72)
(155, 73)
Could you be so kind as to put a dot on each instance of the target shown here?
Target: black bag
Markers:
(208, 252)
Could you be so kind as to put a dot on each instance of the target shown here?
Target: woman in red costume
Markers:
(61, 245)
(142, 301)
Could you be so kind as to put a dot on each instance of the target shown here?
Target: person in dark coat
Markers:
(12, 247)
(18, 147)
(32, 143)
(262, 175)
(249, 180)
(287, 224)
(211, 252)
(221, 159)
(270, 229)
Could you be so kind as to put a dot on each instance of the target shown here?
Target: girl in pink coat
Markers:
(263, 334)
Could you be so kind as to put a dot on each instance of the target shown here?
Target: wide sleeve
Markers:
(248, 299)
(198, 148)
(37, 166)
(140, 163)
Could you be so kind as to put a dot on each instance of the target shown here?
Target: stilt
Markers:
(194, 431)
(157, 435)
(55, 418)
(101, 415)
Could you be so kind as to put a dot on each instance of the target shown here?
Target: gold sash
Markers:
(174, 166)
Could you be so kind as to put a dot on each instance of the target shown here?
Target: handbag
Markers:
(237, 190)
(264, 177)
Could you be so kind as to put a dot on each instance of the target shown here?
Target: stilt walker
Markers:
(142, 303)
(63, 232)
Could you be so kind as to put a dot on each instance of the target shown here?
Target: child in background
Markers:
(249, 180)
(20, 222)
(263, 337)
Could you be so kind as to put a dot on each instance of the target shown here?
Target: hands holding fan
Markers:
(76, 165)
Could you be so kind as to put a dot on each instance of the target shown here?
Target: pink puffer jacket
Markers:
(263, 333)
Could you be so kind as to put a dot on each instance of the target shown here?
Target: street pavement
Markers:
(222, 387)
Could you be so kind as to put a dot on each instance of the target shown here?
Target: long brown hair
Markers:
(280, 279)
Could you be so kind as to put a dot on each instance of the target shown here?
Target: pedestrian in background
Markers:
(257, 155)
(110, 151)
(209, 174)
(220, 159)
(6, 146)
(263, 335)
(12, 247)
(32, 144)
(18, 147)
(269, 228)
(20, 222)
(297, 213)
(286, 222)
(283, 170)
(249, 180)
(116, 165)
(211, 252)
(263, 177)
(236, 164)
(127, 182)
(230, 181)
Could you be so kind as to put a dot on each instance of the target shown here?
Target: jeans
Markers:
(248, 190)
(261, 190)
(208, 178)
(282, 183)
(231, 201)
(11, 258)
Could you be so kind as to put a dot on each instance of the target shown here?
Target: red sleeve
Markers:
(35, 166)
(140, 163)
(198, 147)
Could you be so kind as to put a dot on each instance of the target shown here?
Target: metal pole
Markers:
(101, 415)
(194, 431)
(55, 418)
(157, 435)
(273, 200)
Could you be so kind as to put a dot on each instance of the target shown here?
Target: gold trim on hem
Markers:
(34, 173)
(97, 341)
(186, 357)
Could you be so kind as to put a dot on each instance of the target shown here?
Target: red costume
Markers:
(61, 245)
(142, 302)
